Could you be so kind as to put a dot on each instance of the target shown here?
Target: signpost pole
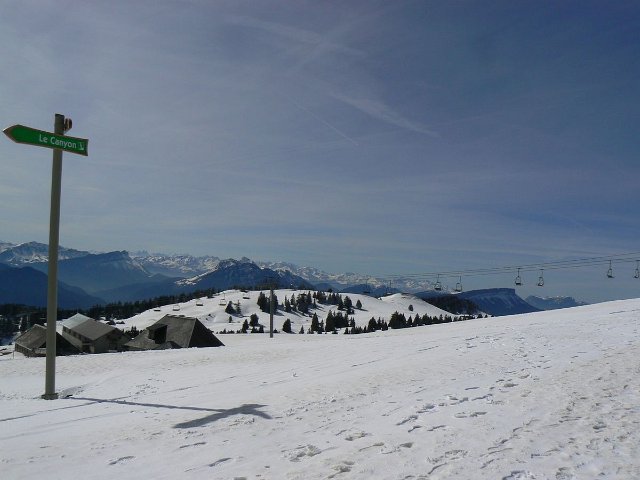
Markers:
(52, 287)
(58, 142)
(271, 309)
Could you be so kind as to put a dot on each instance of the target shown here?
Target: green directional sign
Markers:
(39, 138)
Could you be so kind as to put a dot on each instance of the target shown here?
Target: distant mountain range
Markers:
(499, 301)
(32, 253)
(89, 278)
(27, 286)
(493, 301)
(182, 266)
(225, 275)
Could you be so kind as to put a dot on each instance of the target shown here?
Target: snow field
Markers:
(211, 313)
(551, 395)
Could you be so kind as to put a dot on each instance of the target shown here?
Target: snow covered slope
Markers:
(211, 311)
(544, 395)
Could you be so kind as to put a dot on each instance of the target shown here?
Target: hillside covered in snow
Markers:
(211, 311)
(535, 396)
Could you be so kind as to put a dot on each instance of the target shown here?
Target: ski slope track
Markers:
(548, 395)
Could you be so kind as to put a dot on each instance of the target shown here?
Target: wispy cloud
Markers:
(294, 34)
(385, 113)
(373, 135)
(324, 122)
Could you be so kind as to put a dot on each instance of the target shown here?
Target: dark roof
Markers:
(35, 337)
(182, 332)
(75, 320)
(89, 328)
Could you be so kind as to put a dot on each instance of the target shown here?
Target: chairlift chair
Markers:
(459, 285)
(518, 280)
(541, 278)
(637, 273)
(437, 286)
(610, 271)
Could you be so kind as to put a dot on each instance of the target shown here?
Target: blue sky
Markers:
(373, 137)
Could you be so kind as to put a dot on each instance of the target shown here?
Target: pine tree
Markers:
(315, 325)
(348, 304)
(262, 302)
(397, 320)
(329, 323)
(286, 326)
(230, 308)
(373, 326)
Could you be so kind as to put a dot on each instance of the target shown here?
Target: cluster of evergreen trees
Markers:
(336, 299)
(19, 318)
(264, 302)
(248, 326)
(399, 320)
(300, 303)
(233, 308)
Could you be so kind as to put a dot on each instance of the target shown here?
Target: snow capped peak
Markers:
(33, 252)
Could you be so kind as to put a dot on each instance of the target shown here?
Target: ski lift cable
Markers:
(558, 265)
(524, 268)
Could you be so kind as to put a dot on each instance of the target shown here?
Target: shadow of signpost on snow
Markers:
(246, 409)
(218, 413)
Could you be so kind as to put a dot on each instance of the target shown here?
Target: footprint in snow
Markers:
(121, 459)
(410, 418)
(429, 407)
(357, 435)
(343, 467)
(219, 462)
(469, 415)
(299, 453)
(193, 444)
